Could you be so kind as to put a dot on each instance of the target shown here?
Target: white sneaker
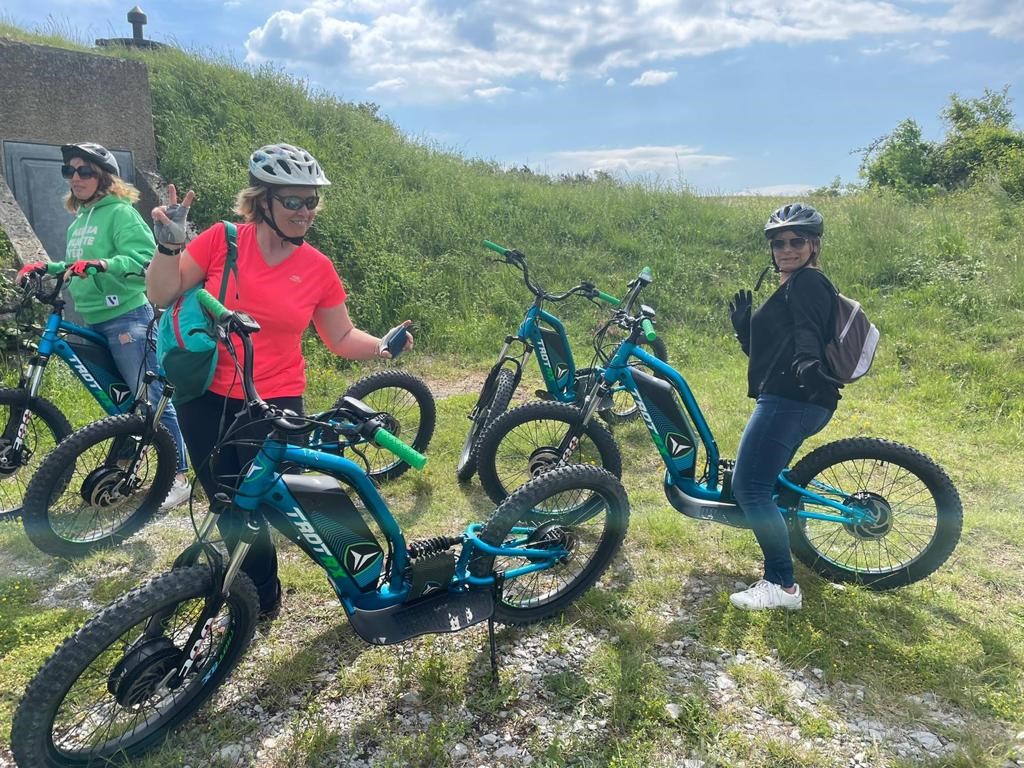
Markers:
(179, 493)
(764, 594)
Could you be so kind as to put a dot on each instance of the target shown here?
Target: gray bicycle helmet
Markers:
(92, 153)
(798, 217)
(284, 165)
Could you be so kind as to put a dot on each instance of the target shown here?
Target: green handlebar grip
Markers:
(645, 273)
(55, 267)
(495, 247)
(211, 305)
(648, 327)
(608, 298)
(406, 453)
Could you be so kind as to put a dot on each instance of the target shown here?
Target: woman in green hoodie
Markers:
(110, 236)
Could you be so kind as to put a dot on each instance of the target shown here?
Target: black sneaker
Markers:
(271, 610)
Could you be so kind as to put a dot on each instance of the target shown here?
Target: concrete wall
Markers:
(54, 96)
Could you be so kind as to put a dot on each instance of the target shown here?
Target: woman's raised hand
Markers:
(169, 220)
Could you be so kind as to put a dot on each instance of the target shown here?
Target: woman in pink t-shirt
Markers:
(284, 283)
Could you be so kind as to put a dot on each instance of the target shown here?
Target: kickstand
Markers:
(495, 678)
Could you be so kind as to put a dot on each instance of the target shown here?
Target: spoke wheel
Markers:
(104, 693)
(585, 514)
(82, 497)
(47, 426)
(523, 444)
(912, 512)
(624, 408)
(410, 415)
(492, 403)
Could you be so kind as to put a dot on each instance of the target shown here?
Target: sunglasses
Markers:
(295, 202)
(83, 171)
(796, 243)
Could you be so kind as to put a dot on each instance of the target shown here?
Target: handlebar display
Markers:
(406, 453)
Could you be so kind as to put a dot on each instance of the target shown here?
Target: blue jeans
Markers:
(126, 339)
(776, 429)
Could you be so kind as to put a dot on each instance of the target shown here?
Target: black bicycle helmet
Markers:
(798, 217)
(93, 153)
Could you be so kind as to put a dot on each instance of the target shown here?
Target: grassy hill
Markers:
(943, 280)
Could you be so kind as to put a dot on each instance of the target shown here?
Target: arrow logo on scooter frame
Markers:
(677, 445)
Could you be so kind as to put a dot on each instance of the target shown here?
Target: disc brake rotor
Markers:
(104, 487)
(142, 671)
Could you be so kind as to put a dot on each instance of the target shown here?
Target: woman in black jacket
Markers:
(785, 341)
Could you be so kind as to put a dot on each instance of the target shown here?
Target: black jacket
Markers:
(790, 328)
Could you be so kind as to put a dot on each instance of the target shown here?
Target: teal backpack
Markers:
(186, 344)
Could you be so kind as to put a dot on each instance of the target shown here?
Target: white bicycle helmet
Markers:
(285, 165)
(92, 153)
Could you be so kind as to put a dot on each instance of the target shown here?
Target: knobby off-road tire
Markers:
(492, 404)
(412, 416)
(69, 716)
(592, 532)
(624, 408)
(57, 516)
(523, 443)
(917, 510)
(47, 426)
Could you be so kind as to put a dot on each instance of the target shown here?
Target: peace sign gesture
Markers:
(169, 220)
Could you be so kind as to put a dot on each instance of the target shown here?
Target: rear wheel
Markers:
(409, 414)
(585, 513)
(103, 695)
(82, 497)
(46, 427)
(914, 511)
(491, 405)
(523, 443)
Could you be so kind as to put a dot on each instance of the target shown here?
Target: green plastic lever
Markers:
(495, 247)
(406, 453)
(211, 305)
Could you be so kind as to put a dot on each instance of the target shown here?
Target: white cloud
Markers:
(491, 93)
(927, 53)
(394, 84)
(653, 77)
(662, 161)
(610, 82)
(450, 49)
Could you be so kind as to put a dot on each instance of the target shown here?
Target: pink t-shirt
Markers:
(281, 299)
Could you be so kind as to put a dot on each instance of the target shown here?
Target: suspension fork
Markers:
(31, 382)
(221, 588)
(571, 440)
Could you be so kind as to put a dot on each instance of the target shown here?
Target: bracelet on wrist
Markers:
(168, 251)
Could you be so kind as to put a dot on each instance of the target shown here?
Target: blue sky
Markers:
(724, 97)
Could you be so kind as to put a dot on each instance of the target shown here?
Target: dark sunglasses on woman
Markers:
(83, 171)
(295, 202)
(796, 243)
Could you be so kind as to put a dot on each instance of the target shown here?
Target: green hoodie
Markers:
(112, 230)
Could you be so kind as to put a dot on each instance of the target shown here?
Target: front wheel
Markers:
(585, 513)
(84, 497)
(492, 403)
(409, 414)
(103, 695)
(914, 510)
(523, 443)
(44, 427)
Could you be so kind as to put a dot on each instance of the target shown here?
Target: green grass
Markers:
(942, 279)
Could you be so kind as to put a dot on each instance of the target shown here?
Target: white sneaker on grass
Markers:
(179, 493)
(764, 594)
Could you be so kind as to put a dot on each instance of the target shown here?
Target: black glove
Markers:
(739, 314)
(813, 378)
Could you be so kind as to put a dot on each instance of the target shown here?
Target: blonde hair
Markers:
(247, 204)
(109, 185)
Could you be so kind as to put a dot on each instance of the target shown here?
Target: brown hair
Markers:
(109, 185)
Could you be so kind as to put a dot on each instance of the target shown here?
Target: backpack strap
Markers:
(231, 259)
